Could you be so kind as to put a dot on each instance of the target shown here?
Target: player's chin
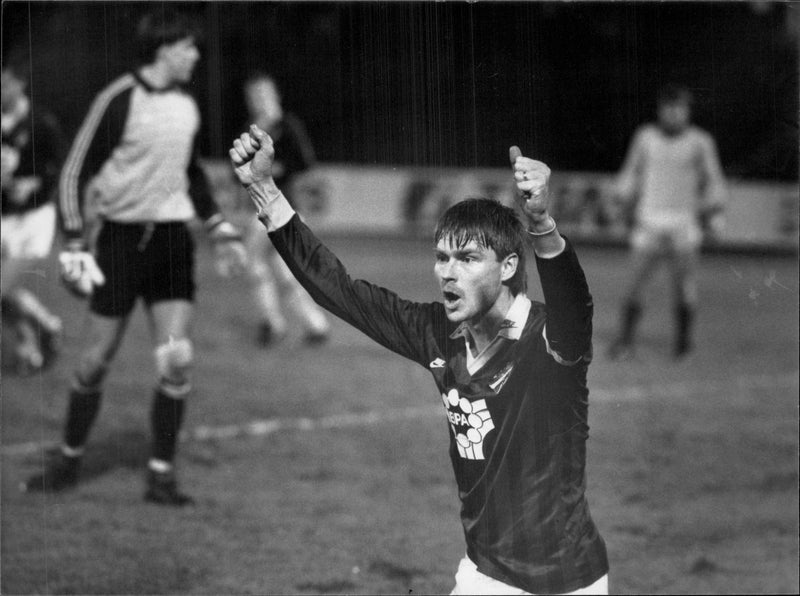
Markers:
(455, 314)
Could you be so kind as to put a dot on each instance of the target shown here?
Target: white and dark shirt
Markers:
(134, 159)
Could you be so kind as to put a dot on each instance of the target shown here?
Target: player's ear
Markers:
(509, 266)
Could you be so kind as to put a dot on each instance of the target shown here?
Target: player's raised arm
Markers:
(393, 322)
(569, 304)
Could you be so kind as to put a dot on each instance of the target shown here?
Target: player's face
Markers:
(470, 278)
(180, 59)
(264, 103)
(674, 116)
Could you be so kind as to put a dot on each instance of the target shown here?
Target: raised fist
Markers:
(532, 178)
(252, 156)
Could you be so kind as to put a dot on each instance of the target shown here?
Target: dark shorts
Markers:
(154, 261)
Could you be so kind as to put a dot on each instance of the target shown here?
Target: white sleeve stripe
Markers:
(555, 354)
(68, 183)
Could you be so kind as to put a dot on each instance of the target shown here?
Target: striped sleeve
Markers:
(90, 149)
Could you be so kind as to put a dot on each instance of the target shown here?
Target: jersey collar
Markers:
(510, 329)
(149, 88)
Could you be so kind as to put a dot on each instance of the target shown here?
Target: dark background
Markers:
(454, 83)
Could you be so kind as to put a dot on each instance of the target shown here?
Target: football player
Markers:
(134, 160)
(272, 284)
(673, 172)
(33, 150)
(510, 373)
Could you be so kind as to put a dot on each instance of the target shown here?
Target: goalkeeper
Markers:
(135, 165)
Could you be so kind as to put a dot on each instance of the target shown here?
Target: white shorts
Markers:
(471, 581)
(28, 235)
(679, 234)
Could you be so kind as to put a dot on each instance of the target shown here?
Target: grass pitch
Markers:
(324, 469)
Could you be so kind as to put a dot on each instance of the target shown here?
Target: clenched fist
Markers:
(252, 156)
(532, 178)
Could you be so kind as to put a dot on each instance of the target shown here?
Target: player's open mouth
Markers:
(450, 299)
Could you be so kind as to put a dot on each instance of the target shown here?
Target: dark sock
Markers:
(684, 316)
(81, 414)
(10, 308)
(631, 313)
(166, 418)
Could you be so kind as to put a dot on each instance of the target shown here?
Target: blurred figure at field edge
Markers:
(134, 165)
(33, 149)
(673, 173)
(272, 284)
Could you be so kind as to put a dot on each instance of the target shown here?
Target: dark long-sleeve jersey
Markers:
(36, 147)
(135, 159)
(517, 417)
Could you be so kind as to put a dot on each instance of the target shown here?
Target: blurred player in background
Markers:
(134, 163)
(511, 373)
(673, 172)
(273, 285)
(33, 150)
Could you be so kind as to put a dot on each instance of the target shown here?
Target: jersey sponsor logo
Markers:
(470, 423)
(438, 363)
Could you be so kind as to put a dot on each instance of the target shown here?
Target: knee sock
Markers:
(631, 313)
(84, 404)
(684, 317)
(166, 418)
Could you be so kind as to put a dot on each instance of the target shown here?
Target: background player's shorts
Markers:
(675, 233)
(154, 261)
(28, 235)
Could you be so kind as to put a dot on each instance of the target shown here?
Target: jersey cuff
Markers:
(274, 210)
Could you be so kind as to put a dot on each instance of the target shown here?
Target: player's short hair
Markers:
(260, 75)
(163, 26)
(490, 224)
(673, 93)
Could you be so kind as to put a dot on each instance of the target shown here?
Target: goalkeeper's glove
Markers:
(229, 251)
(79, 270)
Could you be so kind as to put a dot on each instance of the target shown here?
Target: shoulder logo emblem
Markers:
(438, 363)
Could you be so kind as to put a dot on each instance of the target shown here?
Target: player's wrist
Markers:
(74, 244)
(263, 192)
(272, 208)
(541, 225)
